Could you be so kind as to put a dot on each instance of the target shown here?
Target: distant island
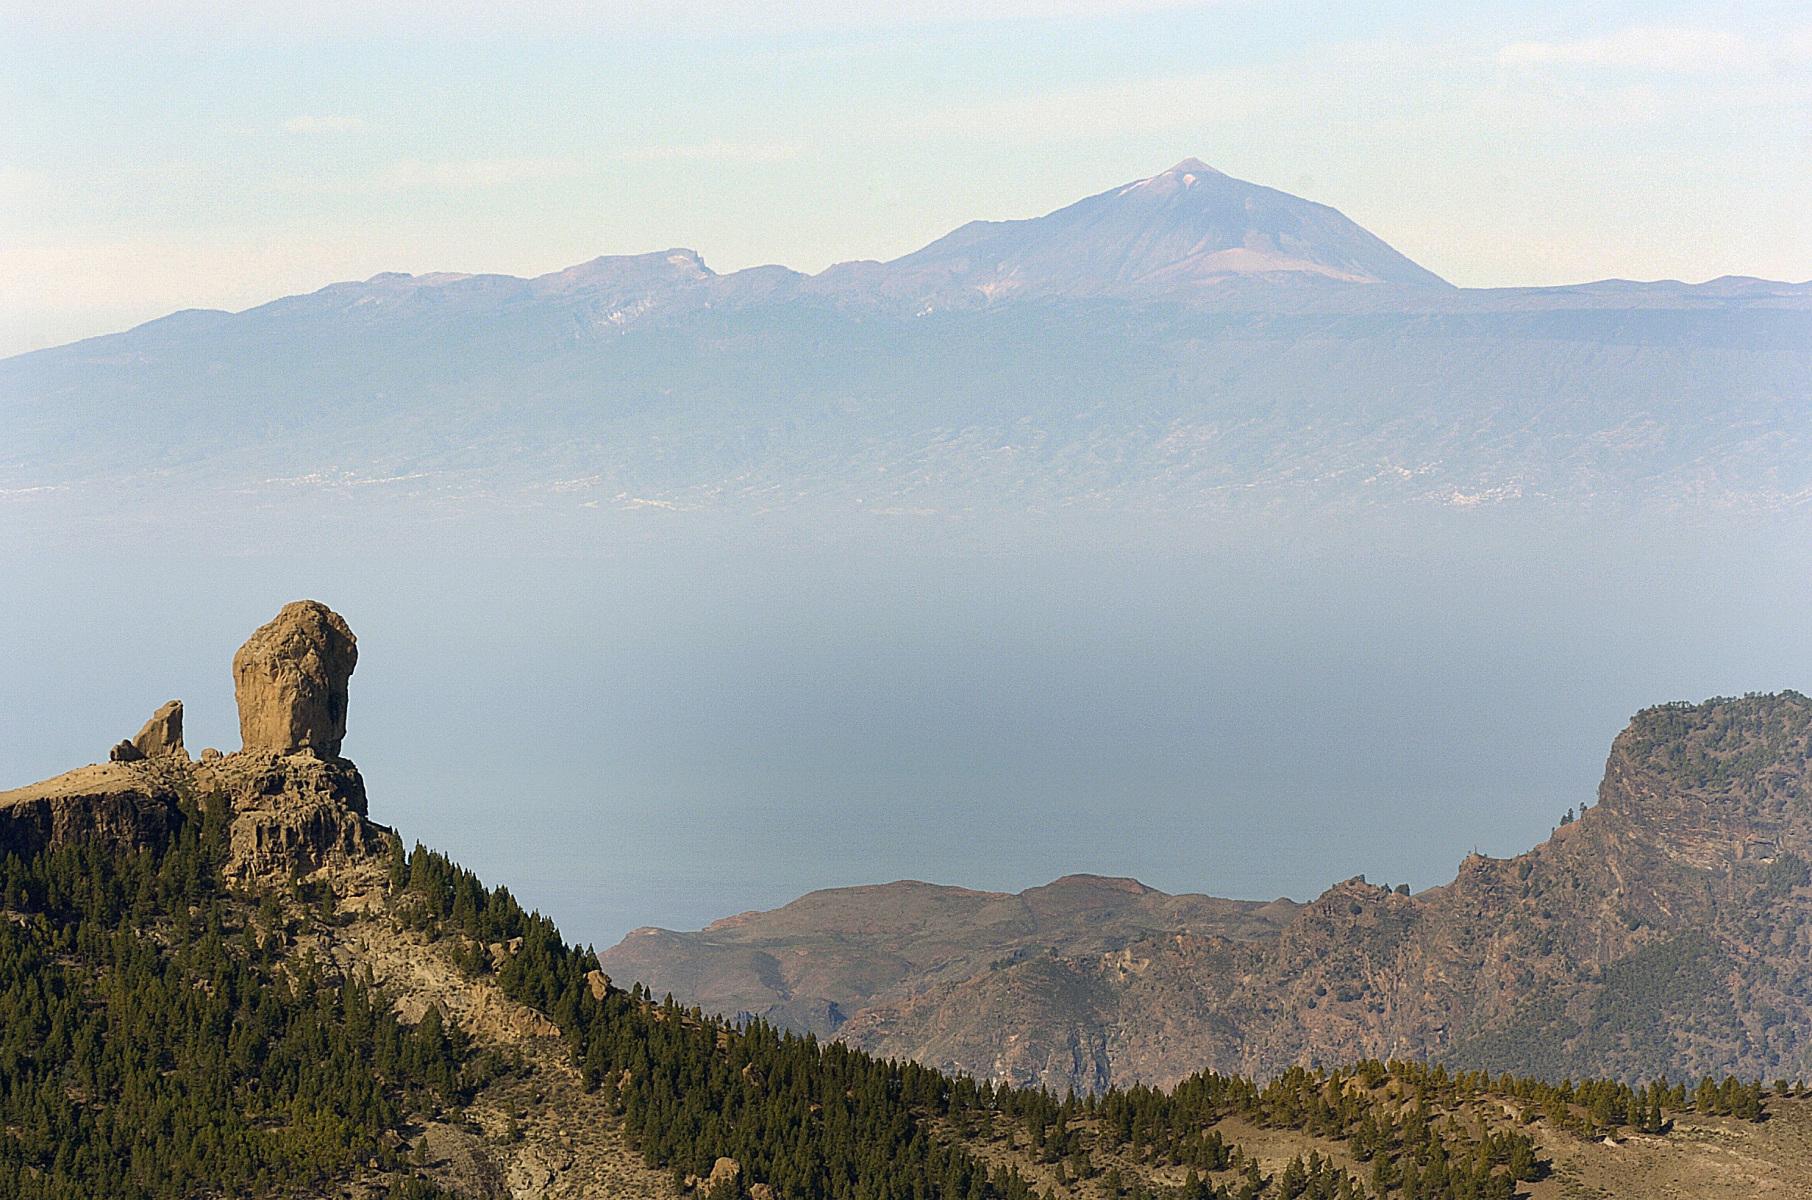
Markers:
(1186, 345)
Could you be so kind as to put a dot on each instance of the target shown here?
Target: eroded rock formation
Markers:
(292, 815)
(296, 806)
(290, 681)
(162, 734)
(123, 804)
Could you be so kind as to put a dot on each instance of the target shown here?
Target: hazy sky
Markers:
(193, 154)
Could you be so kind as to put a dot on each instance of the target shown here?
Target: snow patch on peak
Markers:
(1193, 167)
(1185, 175)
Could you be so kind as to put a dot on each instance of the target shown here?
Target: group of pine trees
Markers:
(160, 1037)
(152, 1045)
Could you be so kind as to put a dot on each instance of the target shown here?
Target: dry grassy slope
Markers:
(1700, 1158)
(1668, 930)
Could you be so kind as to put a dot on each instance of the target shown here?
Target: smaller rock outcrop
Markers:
(722, 1181)
(162, 734)
(125, 752)
(292, 815)
(290, 681)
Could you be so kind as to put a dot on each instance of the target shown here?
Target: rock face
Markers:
(162, 734)
(292, 815)
(115, 803)
(290, 681)
(814, 963)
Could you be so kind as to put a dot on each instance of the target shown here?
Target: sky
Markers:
(193, 154)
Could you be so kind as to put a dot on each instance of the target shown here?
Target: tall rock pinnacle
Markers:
(290, 681)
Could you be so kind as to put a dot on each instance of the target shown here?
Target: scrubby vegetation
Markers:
(1723, 741)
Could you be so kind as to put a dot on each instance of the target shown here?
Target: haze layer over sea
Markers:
(665, 724)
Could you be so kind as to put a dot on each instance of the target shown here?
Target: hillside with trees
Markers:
(221, 978)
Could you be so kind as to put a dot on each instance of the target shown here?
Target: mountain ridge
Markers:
(1691, 867)
(937, 265)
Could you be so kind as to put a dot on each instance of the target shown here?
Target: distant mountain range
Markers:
(1183, 343)
(1661, 932)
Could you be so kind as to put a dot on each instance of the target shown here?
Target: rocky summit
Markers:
(296, 806)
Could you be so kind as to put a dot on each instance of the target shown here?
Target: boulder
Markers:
(162, 734)
(723, 1180)
(290, 681)
(125, 752)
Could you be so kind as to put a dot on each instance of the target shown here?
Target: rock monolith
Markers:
(290, 680)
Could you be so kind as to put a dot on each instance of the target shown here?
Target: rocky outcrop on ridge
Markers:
(309, 882)
(295, 806)
(290, 681)
(292, 814)
(125, 804)
(161, 736)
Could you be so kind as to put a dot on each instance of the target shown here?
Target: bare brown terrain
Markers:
(1666, 931)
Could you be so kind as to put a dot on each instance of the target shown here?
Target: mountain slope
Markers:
(221, 978)
(1662, 932)
(447, 410)
(809, 965)
(1187, 229)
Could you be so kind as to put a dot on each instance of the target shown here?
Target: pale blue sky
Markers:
(194, 154)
